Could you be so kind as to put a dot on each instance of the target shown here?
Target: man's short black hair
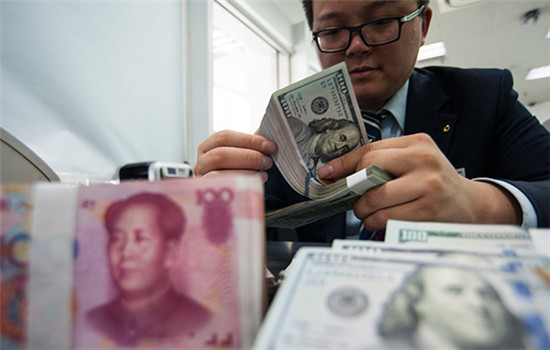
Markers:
(308, 10)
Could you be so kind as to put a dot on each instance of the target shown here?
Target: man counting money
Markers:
(143, 234)
(442, 119)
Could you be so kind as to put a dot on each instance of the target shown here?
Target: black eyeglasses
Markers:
(378, 32)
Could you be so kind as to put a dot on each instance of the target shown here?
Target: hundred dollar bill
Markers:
(14, 244)
(499, 237)
(346, 300)
(313, 121)
(505, 260)
(342, 199)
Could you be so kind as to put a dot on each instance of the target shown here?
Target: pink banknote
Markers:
(169, 264)
(14, 242)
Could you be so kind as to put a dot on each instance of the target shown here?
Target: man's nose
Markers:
(357, 45)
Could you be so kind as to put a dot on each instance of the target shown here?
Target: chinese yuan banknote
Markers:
(172, 264)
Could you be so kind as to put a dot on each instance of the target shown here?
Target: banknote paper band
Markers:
(51, 266)
(362, 181)
(357, 182)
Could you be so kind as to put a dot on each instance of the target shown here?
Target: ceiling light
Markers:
(538, 73)
(548, 34)
(435, 50)
(460, 3)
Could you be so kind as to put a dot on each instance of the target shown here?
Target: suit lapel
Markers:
(425, 110)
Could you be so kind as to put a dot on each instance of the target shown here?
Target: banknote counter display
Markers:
(146, 265)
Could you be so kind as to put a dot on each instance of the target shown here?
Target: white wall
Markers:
(541, 111)
(93, 85)
(90, 86)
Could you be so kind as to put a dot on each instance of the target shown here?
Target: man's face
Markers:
(138, 251)
(462, 308)
(376, 72)
(334, 143)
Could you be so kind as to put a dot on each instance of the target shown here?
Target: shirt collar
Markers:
(397, 105)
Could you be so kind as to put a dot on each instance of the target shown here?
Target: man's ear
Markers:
(426, 19)
(171, 256)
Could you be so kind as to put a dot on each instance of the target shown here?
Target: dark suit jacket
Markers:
(490, 134)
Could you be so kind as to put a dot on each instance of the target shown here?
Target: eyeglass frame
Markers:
(351, 30)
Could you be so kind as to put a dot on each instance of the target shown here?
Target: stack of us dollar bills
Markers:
(173, 264)
(429, 286)
(314, 121)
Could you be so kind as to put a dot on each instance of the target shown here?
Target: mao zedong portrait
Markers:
(144, 233)
(443, 307)
(324, 139)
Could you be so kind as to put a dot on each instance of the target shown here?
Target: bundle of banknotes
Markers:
(314, 121)
(429, 286)
(174, 264)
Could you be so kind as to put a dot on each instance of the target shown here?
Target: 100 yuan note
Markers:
(499, 237)
(170, 264)
(344, 300)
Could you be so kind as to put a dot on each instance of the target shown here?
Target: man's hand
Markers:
(426, 188)
(231, 151)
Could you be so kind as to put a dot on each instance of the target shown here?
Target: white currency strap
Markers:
(51, 267)
(359, 182)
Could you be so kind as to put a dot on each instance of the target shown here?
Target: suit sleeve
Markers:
(491, 135)
(523, 155)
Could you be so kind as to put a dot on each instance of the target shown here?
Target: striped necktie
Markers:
(373, 126)
(373, 122)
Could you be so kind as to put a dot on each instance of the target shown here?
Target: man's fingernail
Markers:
(263, 176)
(267, 163)
(325, 171)
(268, 146)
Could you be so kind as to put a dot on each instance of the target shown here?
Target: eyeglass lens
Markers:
(375, 33)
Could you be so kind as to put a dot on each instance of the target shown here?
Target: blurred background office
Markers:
(92, 85)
